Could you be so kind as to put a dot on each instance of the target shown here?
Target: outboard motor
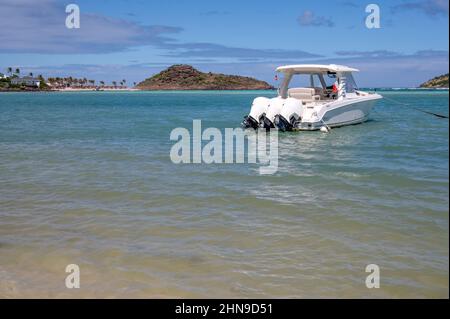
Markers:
(283, 124)
(257, 111)
(290, 114)
(268, 120)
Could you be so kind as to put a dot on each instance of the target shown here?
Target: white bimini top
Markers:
(315, 68)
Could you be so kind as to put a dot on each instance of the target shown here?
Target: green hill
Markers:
(185, 77)
(437, 82)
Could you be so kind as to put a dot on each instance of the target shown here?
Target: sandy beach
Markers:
(93, 89)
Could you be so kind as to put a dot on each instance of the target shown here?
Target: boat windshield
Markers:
(303, 81)
(350, 82)
(330, 79)
(321, 83)
(315, 81)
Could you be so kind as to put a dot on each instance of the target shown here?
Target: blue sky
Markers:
(134, 39)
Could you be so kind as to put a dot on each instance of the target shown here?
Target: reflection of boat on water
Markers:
(329, 99)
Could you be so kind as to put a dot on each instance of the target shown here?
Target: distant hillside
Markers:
(185, 77)
(437, 82)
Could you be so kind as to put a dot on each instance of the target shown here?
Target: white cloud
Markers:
(28, 26)
(431, 8)
(308, 18)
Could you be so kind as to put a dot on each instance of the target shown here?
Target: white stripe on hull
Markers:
(342, 115)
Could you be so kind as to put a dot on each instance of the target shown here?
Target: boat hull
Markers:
(348, 113)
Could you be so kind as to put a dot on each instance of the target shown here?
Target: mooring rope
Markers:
(415, 108)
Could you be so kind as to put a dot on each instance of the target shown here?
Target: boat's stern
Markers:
(309, 126)
(311, 119)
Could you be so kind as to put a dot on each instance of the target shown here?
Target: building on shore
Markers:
(26, 80)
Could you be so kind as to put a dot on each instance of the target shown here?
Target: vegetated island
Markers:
(13, 81)
(186, 77)
(437, 82)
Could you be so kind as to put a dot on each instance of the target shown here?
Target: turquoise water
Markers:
(86, 179)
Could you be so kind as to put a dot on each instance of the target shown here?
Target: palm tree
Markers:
(134, 83)
(10, 71)
(124, 81)
(30, 74)
(17, 71)
(102, 83)
(92, 82)
(114, 83)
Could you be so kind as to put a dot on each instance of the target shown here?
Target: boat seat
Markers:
(304, 94)
(319, 92)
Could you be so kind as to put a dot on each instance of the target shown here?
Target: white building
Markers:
(26, 80)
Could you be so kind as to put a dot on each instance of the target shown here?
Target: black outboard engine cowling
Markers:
(283, 124)
(249, 122)
(265, 123)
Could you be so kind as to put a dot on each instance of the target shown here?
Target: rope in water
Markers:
(414, 108)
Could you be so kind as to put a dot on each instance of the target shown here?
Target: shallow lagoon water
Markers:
(86, 178)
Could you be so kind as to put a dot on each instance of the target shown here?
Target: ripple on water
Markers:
(87, 179)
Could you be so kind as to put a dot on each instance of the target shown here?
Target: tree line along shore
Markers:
(175, 77)
(13, 80)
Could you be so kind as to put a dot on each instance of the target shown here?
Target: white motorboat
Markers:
(328, 97)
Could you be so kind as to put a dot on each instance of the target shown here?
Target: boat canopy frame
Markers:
(343, 75)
